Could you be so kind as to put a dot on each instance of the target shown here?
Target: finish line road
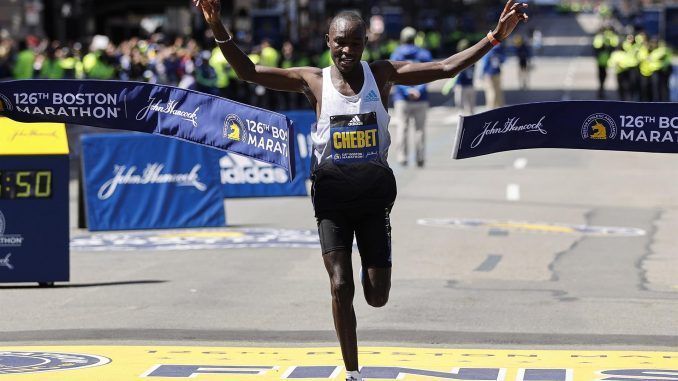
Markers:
(228, 363)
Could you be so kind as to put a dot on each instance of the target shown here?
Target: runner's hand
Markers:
(512, 14)
(211, 9)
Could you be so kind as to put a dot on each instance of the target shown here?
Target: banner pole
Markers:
(457, 137)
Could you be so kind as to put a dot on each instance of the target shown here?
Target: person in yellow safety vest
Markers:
(290, 58)
(661, 56)
(23, 66)
(374, 47)
(433, 42)
(325, 59)
(631, 47)
(205, 75)
(50, 67)
(454, 37)
(98, 65)
(89, 61)
(270, 57)
(389, 47)
(604, 43)
(366, 56)
(604, 11)
(647, 69)
(623, 63)
(420, 39)
(71, 65)
(220, 65)
(256, 92)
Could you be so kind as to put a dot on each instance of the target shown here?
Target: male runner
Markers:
(353, 186)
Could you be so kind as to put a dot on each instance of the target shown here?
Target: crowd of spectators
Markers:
(192, 63)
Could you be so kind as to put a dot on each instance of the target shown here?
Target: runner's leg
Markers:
(373, 235)
(338, 265)
(377, 285)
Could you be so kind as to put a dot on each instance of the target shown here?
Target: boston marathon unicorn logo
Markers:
(234, 128)
(599, 127)
(600, 132)
(5, 104)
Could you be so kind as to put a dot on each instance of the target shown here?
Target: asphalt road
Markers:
(494, 285)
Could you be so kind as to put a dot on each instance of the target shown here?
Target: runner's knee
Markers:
(342, 290)
(377, 298)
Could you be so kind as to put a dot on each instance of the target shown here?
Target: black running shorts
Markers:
(372, 230)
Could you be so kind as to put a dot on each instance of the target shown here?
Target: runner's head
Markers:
(347, 39)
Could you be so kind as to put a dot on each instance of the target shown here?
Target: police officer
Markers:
(23, 64)
(661, 59)
(604, 43)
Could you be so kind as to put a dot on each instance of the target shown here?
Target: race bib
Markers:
(355, 138)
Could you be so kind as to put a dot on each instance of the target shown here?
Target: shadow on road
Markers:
(79, 285)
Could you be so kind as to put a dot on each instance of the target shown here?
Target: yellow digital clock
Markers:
(28, 184)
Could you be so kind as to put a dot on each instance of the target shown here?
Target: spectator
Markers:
(604, 43)
(523, 53)
(410, 102)
(23, 66)
(206, 78)
(464, 91)
(491, 70)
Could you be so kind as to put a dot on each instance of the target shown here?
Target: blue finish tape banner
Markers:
(137, 181)
(164, 110)
(245, 177)
(591, 125)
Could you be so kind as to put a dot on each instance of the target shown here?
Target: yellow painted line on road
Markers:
(533, 227)
(163, 363)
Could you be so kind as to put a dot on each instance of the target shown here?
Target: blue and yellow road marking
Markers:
(206, 239)
(533, 227)
(163, 363)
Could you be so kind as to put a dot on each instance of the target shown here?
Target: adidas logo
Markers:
(372, 97)
(355, 121)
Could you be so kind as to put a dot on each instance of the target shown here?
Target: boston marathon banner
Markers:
(162, 110)
(592, 125)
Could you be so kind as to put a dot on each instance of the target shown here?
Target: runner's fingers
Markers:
(508, 16)
(508, 5)
(519, 7)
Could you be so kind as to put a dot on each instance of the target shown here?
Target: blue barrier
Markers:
(137, 181)
(245, 177)
(180, 184)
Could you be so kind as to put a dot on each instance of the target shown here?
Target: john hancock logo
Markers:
(234, 128)
(599, 127)
(5, 104)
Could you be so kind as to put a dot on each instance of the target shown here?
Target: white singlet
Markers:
(368, 100)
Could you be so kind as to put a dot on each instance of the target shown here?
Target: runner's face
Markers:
(346, 41)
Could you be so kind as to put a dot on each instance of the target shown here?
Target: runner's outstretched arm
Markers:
(411, 73)
(292, 80)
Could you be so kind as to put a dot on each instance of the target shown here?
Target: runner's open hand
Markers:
(512, 14)
(211, 9)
